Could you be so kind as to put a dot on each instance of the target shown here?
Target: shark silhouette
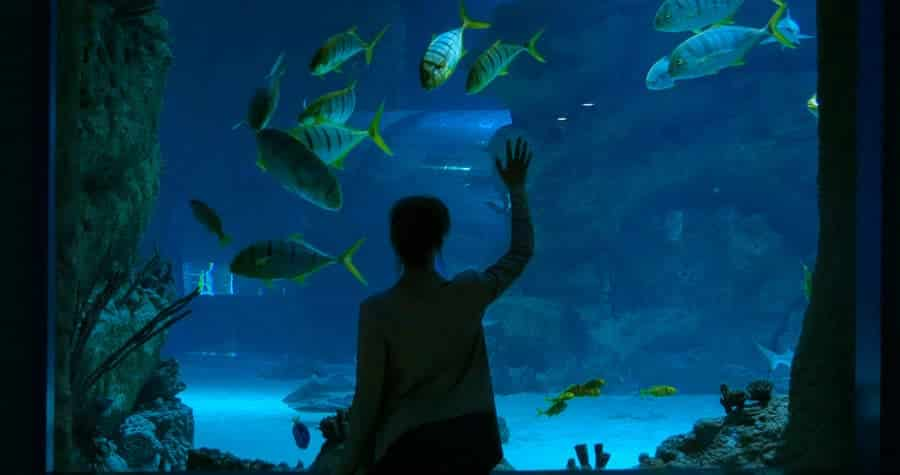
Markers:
(777, 359)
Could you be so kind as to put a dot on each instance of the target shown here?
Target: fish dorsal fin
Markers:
(433, 36)
(296, 237)
(352, 30)
(496, 44)
(261, 165)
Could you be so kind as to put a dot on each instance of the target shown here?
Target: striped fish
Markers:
(693, 15)
(444, 52)
(714, 49)
(495, 61)
(341, 47)
(335, 107)
(298, 169)
(291, 258)
(658, 76)
(265, 99)
(333, 142)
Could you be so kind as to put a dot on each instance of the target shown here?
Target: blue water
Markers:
(671, 225)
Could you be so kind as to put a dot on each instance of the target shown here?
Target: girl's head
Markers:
(419, 225)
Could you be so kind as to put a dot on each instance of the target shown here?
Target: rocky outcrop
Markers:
(113, 63)
(158, 435)
(214, 461)
(751, 438)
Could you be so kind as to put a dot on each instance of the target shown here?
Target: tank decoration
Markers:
(601, 458)
(732, 401)
(760, 391)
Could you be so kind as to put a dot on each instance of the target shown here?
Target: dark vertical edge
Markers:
(49, 178)
(890, 260)
(43, 61)
(870, 135)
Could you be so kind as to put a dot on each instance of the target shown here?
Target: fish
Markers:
(775, 360)
(298, 169)
(333, 142)
(564, 396)
(812, 105)
(589, 389)
(658, 76)
(658, 391)
(335, 107)
(444, 52)
(790, 29)
(340, 48)
(265, 99)
(555, 409)
(707, 53)
(301, 434)
(675, 16)
(290, 259)
(495, 61)
(807, 282)
(210, 220)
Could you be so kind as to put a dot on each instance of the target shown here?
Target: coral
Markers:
(732, 401)
(760, 391)
(750, 439)
(601, 458)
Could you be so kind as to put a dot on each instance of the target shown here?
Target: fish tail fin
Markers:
(370, 48)
(375, 131)
(224, 240)
(468, 23)
(347, 260)
(772, 25)
(768, 354)
(531, 46)
(239, 125)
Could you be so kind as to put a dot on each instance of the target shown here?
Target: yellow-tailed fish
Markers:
(693, 15)
(265, 99)
(714, 49)
(812, 105)
(658, 391)
(444, 52)
(333, 142)
(291, 258)
(555, 409)
(495, 60)
(790, 29)
(298, 169)
(210, 220)
(341, 47)
(335, 107)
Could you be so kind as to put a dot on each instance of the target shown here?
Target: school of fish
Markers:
(716, 43)
(306, 158)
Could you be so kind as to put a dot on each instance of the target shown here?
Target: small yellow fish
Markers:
(210, 220)
(335, 107)
(444, 52)
(589, 389)
(341, 47)
(566, 396)
(658, 391)
(495, 61)
(555, 409)
(812, 105)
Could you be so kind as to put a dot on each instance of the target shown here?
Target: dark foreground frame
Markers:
(27, 327)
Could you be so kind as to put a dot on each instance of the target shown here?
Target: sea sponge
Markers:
(760, 391)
